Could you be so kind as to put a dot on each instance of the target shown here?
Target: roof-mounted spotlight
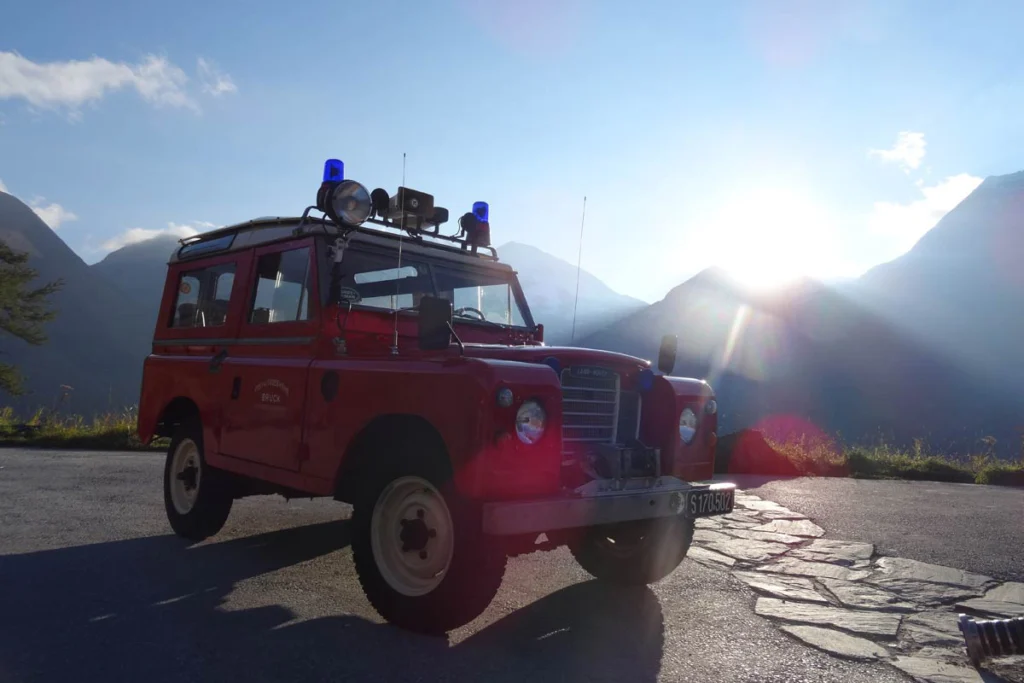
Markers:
(344, 201)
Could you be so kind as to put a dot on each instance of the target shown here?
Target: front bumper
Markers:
(603, 502)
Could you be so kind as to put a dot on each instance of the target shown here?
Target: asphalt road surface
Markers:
(976, 528)
(94, 587)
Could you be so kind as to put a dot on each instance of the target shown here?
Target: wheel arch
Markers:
(386, 436)
(176, 411)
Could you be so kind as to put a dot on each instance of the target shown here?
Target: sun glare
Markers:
(771, 237)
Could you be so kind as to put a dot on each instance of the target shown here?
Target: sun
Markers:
(769, 237)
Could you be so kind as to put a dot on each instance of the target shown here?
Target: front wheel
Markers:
(196, 496)
(420, 552)
(634, 553)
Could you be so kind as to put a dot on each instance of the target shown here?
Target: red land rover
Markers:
(399, 369)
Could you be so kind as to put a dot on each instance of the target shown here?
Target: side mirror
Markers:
(667, 353)
(435, 321)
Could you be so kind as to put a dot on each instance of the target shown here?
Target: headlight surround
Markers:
(687, 425)
(531, 420)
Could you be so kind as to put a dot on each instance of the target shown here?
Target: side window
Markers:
(203, 297)
(282, 287)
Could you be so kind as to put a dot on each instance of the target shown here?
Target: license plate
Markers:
(709, 502)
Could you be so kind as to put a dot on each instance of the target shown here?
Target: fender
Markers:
(456, 396)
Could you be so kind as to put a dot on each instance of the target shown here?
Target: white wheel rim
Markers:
(412, 536)
(186, 476)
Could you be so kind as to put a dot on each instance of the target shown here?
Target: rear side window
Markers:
(282, 287)
(203, 296)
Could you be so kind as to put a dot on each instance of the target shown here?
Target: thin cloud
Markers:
(136, 235)
(908, 151)
(52, 214)
(71, 84)
(215, 82)
(904, 224)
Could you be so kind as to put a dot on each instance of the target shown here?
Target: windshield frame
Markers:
(434, 262)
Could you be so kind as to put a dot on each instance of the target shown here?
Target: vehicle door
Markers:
(197, 327)
(269, 368)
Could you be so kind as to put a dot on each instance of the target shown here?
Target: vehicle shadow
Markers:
(154, 609)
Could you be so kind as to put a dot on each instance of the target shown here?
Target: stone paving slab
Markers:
(836, 552)
(1012, 591)
(710, 536)
(924, 593)
(936, 670)
(821, 570)
(748, 551)
(899, 567)
(932, 628)
(992, 609)
(781, 514)
(759, 504)
(802, 527)
(837, 643)
(737, 518)
(780, 586)
(705, 556)
(860, 622)
(863, 596)
(752, 535)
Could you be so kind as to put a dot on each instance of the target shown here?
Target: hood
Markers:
(627, 366)
(566, 355)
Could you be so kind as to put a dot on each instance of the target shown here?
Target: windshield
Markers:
(374, 280)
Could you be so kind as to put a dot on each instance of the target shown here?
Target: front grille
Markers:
(590, 406)
(595, 409)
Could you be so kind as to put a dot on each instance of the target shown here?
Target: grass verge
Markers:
(108, 432)
(751, 452)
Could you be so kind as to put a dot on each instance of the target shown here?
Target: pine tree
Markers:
(22, 310)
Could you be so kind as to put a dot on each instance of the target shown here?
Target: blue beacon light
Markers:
(334, 171)
(481, 211)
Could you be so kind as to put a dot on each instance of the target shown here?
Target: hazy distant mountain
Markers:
(550, 287)
(960, 290)
(139, 270)
(926, 346)
(99, 338)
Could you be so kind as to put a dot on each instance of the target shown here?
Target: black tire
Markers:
(213, 498)
(477, 564)
(634, 553)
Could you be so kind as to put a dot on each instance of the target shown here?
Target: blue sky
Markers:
(771, 137)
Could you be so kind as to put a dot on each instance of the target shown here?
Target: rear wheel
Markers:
(419, 549)
(196, 496)
(634, 553)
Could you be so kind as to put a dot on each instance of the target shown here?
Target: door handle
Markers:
(236, 387)
(216, 361)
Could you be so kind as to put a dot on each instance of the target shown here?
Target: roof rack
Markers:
(430, 239)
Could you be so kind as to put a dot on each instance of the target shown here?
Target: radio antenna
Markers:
(579, 260)
(398, 272)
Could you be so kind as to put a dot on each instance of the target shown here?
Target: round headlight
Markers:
(351, 202)
(530, 422)
(711, 407)
(687, 425)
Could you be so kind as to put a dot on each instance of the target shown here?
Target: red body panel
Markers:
(269, 413)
